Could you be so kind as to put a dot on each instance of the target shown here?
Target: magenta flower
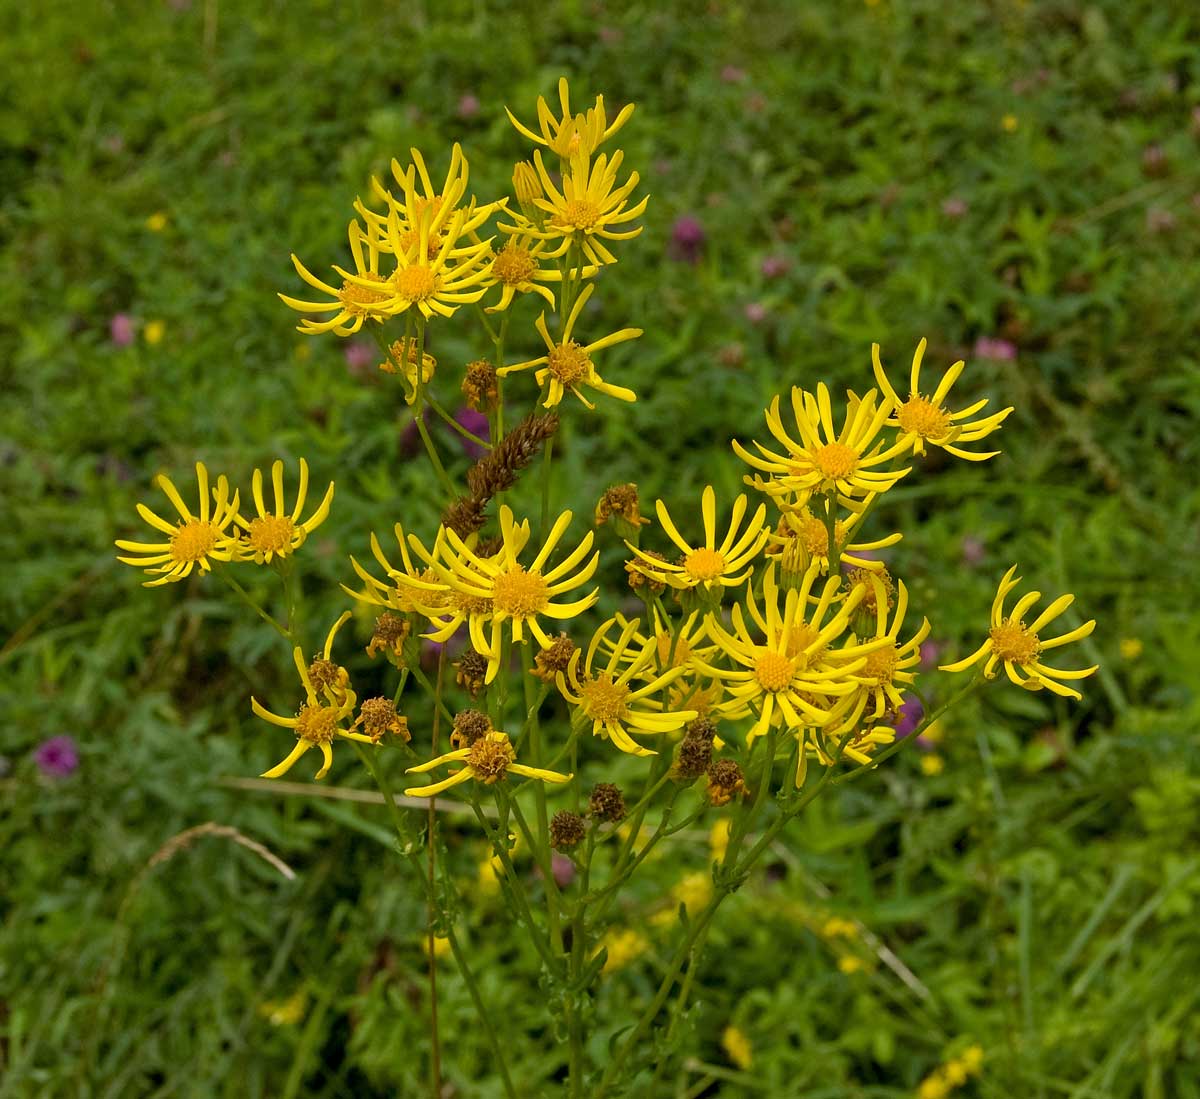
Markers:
(755, 312)
(359, 355)
(563, 869)
(687, 239)
(954, 208)
(773, 266)
(1000, 350)
(121, 329)
(57, 757)
(909, 717)
(731, 74)
(930, 652)
(974, 550)
(477, 424)
(468, 106)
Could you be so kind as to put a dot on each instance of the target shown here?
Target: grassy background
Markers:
(1040, 892)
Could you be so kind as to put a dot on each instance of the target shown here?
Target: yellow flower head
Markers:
(738, 1048)
(321, 718)
(517, 268)
(402, 358)
(271, 534)
(710, 566)
(923, 419)
(572, 135)
(1019, 646)
(824, 459)
(502, 589)
(609, 696)
(408, 589)
(568, 364)
(590, 206)
(357, 299)
(783, 667)
(800, 538)
(624, 945)
(489, 760)
(192, 539)
(673, 647)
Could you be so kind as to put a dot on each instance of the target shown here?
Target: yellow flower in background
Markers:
(354, 302)
(271, 534)
(737, 1046)
(156, 222)
(1009, 123)
(567, 364)
(824, 459)
(1019, 647)
(710, 566)
(923, 419)
(800, 538)
(607, 696)
(154, 331)
(589, 206)
(572, 135)
(488, 760)
(287, 1012)
(1131, 648)
(623, 946)
(193, 540)
(321, 717)
(932, 764)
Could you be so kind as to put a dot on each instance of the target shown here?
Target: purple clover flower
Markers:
(57, 757)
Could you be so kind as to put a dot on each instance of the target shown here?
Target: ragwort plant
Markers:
(774, 651)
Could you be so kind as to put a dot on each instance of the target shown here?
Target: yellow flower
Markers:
(572, 135)
(193, 540)
(589, 206)
(285, 1012)
(787, 675)
(718, 838)
(972, 1059)
(709, 566)
(738, 1047)
(568, 364)
(156, 222)
(923, 419)
(321, 716)
(402, 359)
(274, 534)
(1009, 123)
(488, 760)
(623, 946)
(1019, 646)
(606, 697)
(932, 764)
(850, 963)
(517, 268)
(154, 331)
(1131, 648)
(673, 648)
(355, 301)
(801, 537)
(412, 590)
(823, 459)
(504, 590)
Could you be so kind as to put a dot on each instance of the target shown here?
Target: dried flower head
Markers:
(725, 782)
(620, 502)
(693, 756)
(607, 802)
(640, 579)
(470, 671)
(378, 716)
(479, 385)
(390, 634)
(469, 726)
(554, 659)
(566, 829)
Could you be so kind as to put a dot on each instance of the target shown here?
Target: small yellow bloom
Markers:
(194, 540)
(517, 268)
(355, 301)
(409, 589)
(321, 717)
(693, 891)
(1131, 648)
(571, 135)
(488, 760)
(801, 537)
(441, 945)
(737, 1046)
(922, 419)
(710, 566)
(1009, 123)
(718, 838)
(276, 534)
(156, 222)
(851, 963)
(932, 764)
(1019, 646)
(624, 946)
(285, 1012)
(567, 364)
(154, 331)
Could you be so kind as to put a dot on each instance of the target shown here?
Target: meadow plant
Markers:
(773, 655)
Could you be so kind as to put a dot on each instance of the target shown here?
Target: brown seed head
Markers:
(566, 829)
(557, 658)
(725, 782)
(470, 670)
(391, 631)
(469, 726)
(607, 802)
(378, 716)
(479, 385)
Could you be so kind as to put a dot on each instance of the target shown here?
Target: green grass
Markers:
(1039, 896)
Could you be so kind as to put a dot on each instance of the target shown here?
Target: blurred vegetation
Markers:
(1021, 174)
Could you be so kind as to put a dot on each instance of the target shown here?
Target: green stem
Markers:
(249, 600)
(433, 403)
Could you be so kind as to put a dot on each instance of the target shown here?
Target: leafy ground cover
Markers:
(1018, 182)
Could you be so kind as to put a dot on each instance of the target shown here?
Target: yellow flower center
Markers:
(568, 362)
(470, 604)
(520, 593)
(704, 564)
(355, 297)
(773, 670)
(836, 460)
(682, 650)
(513, 265)
(1015, 642)
(881, 664)
(813, 535)
(416, 283)
(410, 241)
(920, 416)
(578, 214)
(604, 700)
(271, 533)
(317, 724)
(490, 757)
(803, 634)
(193, 541)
